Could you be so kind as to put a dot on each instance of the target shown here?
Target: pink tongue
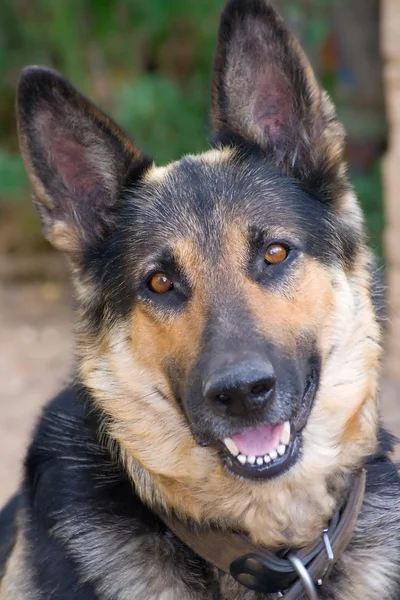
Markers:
(260, 441)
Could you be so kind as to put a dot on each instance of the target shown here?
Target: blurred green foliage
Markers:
(12, 175)
(146, 62)
(369, 189)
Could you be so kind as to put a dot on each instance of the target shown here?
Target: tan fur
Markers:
(128, 382)
(159, 174)
(214, 156)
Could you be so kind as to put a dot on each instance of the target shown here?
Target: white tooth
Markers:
(251, 460)
(281, 449)
(260, 461)
(230, 444)
(267, 458)
(285, 437)
(273, 454)
(242, 459)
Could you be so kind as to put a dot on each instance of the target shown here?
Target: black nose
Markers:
(240, 386)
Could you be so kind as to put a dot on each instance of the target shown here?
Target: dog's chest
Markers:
(144, 567)
(164, 579)
(155, 574)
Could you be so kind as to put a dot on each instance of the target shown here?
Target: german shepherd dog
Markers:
(228, 349)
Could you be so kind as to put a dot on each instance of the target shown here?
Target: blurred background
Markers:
(148, 63)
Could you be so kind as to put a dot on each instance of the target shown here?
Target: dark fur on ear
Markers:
(265, 92)
(78, 159)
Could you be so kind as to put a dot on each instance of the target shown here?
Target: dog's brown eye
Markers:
(276, 253)
(160, 283)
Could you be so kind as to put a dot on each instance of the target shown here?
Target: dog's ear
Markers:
(77, 159)
(265, 92)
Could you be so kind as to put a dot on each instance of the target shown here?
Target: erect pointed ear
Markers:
(265, 92)
(77, 159)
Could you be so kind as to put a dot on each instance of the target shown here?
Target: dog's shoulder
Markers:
(32, 563)
(82, 529)
(8, 530)
(383, 476)
(70, 468)
(372, 560)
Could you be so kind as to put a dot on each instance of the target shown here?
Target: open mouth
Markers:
(269, 450)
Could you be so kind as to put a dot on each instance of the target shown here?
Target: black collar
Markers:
(291, 573)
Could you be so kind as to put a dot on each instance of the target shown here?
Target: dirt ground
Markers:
(36, 347)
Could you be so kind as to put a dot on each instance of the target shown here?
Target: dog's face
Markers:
(231, 291)
(225, 325)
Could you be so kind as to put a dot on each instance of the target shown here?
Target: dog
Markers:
(221, 437)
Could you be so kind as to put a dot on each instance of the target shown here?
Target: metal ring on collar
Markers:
(304, 576)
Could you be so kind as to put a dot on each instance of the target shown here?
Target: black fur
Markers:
(72, 477)
(8, 530)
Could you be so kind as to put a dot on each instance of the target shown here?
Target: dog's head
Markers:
(225, 325)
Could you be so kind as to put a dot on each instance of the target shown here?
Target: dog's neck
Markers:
(110, 514)
(364, 562)
(267, 571)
